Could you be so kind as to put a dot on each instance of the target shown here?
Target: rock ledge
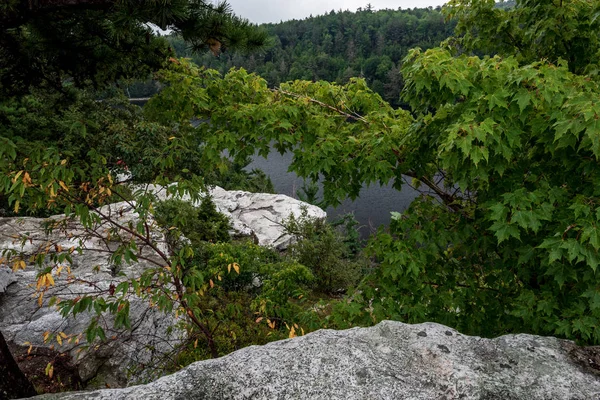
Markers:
(389, 361)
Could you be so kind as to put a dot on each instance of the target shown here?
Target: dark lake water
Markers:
(371, 209)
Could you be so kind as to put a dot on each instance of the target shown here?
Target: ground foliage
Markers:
(331, 254)
(507, 144)
(254, 295)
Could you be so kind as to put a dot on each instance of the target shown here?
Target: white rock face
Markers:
(22, 320)
(257, 214)
(389, 361)
(262, 213)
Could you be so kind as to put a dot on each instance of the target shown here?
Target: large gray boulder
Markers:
(389, 361)
(24, 321)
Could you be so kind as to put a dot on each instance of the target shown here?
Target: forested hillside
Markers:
(338, 46)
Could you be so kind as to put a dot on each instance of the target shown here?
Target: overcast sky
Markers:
(260, 11)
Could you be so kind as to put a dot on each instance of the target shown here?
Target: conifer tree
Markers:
(97, 42)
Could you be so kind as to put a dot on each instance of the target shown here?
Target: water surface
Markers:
(372, 208)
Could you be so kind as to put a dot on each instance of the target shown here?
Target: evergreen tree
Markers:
(97, 42)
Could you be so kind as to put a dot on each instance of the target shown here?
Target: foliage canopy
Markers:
(507, 145)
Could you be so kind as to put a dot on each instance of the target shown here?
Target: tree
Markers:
(338, 42)
(14, 383)
(98, 42)
(66, 130)
(506, 237)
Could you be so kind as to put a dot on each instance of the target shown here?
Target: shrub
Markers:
(331, 256)
(203, 223)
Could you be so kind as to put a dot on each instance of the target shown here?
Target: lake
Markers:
(372, 209)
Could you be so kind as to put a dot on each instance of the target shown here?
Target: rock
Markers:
(256, 214)
(389, 361)
(22, 320)
(263, 213)
(6, 278)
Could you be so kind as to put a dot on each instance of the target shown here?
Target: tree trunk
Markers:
(13, 384)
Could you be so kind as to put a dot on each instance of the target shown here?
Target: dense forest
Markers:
(337, 46)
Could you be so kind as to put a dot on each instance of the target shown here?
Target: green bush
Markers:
(331, 256)
(198, 224)
(250, 296)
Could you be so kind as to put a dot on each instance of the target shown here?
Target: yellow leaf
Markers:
(63, 335)
(62, 185)
(196, 343)
(236, 266)
(46, 336)
(219, 277)
(259, 319)
(63, 162)
(29, 349)
(292, 332)
(49, 370)
(17, 265)
(59, 340)
(26, 178)
(17, 204)
(17, 176)
(229, 268)
(40, 299)
(172, 137)
(49, 280)
(212, 284)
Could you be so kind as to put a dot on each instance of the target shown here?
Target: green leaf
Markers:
(523, 98)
